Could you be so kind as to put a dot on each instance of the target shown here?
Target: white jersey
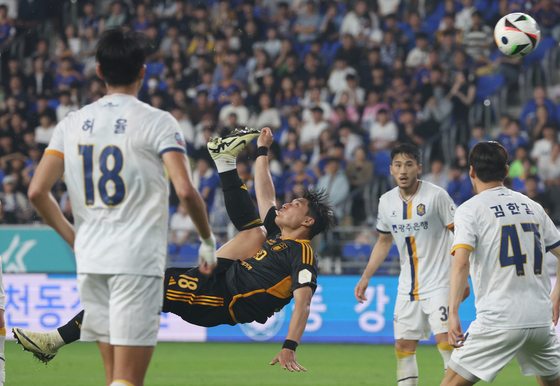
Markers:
(508, 234)
(117, 184)
(419, 227)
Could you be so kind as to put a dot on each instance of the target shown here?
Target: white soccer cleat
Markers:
(41, 344)
(231, 145)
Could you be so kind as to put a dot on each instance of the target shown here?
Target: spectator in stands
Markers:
(447, 49)
(549, 168)
(349, 51)
(268, 116)
(329, 27)
(227, 87)
(538, 122)
(17, 91)
(66, 105)
(236, 106)
(207, 181)
(462, 95)
(337, 79)
(516, 168)
(547, 14)
(459, 186)
(307, 24)
(419, 54)
(16, 210)
(512, 138)
(409, 129)
(90, 19)
(388, 7)
(447, 25)
(359, 172)
(528, 169)
(44, 132)
(117, 17)
(478, 135)
(336, 185)
(532, 191)
(354, 21)
(530, 109)
(14, 69)
(39, 81)
(7, 30)
(543, 147)
(311, 130)
(181, 227)
(438, 174)
(478, 40)
(382, 133)
(463, 19)
(299, 174)
(66, 75)
(315, 101)
(389, 49)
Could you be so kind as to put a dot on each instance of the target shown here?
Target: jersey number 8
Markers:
(113, 174)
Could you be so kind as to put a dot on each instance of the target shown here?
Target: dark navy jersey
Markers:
(265, 283)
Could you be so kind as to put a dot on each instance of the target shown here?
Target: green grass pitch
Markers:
(243, 364)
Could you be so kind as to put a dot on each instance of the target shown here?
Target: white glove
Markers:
(207, 250)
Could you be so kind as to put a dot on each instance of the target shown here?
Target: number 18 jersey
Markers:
(420, 227)
(116, 183)
(507, 234)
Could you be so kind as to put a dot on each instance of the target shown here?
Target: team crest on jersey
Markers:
(394, 213)
(279, 247)
(304, 276)
(120, 126)
(179, 139)
(421, 209)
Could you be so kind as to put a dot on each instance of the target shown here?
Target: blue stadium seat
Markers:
(382, 162)
(356, 251)
(188, 253)
(53, 103)
(538, 55)
(487, 86)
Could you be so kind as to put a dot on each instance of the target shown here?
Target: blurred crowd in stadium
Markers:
(339, 83)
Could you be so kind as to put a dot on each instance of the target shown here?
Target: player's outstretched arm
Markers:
(50, 170)
(264, 187)
(179, 171)
(287, 356)
(555, 296)
(459, 280)
(378, 254)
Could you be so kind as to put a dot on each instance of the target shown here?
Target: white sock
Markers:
(2, 356)
(225, 164)
(56, 338)
(445, 349)
(121, 382)
(407, 368)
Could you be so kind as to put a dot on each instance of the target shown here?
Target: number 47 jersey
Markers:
(116, 183)
(508, 235)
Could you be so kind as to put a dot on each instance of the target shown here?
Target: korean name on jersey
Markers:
(116, 183)
(508, 234)
(419, 227)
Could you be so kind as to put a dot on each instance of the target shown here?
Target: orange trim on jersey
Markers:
(55, 152)
(282, 289)
(458, 246)
(310, 254)
(451, 226)
(298, 240)
(241, 296)
(409, 210)
(415, 262)
(307, 253)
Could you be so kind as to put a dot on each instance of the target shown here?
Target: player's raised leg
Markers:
(239, 205)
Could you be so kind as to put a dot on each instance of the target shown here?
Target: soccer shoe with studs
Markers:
(38, 343)
(231, 145)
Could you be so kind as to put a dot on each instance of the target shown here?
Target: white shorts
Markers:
(122, 310)
(414, 320)
(486, 351)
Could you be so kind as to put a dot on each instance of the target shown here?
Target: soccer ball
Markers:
(517, 34)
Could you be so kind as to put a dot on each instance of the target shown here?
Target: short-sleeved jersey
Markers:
(117, 184)
(264, 284)
(507, 234)
(420, 227)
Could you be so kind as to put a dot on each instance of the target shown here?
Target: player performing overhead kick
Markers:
(502, 236)
(419, 217)
(259, 271)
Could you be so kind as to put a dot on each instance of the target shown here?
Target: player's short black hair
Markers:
(489, 161)
(121, 56)
(319, 209)
(408, 149)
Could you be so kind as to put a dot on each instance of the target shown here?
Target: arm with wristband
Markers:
(264, 187)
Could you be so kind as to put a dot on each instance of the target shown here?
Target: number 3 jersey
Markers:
(420, 227)
(117, 184)
(507, 234)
